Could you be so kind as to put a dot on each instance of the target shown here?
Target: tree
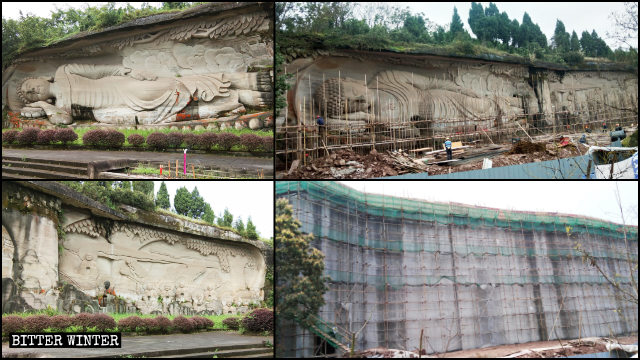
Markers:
(300, 285)
(126, 185)
(561, 39)
(586, 43)
(226, 219)
(182, 201)
(476, 20)
(456, 24)
(625, 25)
(196, 205)
(145, 187)
(415, 25)
(239, 226)
(251, 230)
(208, 216)
(162, 199)
(575, 43)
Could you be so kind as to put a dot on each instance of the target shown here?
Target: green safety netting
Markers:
(420, 210)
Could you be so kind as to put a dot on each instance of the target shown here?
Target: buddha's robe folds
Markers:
(107, 88)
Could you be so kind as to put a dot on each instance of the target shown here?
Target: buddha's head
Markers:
(35, 89)
(341, 96)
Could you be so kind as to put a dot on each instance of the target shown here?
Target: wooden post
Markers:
(176, 168)
(169, 169)
(193, 170)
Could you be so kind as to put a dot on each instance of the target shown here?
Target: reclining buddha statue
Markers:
(119, 95)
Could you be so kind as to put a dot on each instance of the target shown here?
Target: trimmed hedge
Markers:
(12, 323)
(28, 136)
(131, 323)
(232, 323)
(66, 135)
(259, 320)
(111, 138)
(183, 324)
(10, 136)
(158, 140)
(135, 139)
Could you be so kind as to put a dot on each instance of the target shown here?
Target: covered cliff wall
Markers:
(470, 277)
(54, 237)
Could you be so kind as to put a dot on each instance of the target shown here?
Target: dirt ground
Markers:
(346, 164)
(504, 350)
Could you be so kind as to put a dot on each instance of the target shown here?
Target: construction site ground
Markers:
(568, 348)
(347, 164)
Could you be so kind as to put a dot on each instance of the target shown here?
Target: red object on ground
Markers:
(564, 142)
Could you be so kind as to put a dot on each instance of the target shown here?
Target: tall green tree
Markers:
(252, 233)
(300, 285)
(226, 219)
(456, 26)
(208, 216)
(162, 199)
(239, 226)
(575, 42)
(476, 20)
(182, 201)
(197, 204)
(561, 38)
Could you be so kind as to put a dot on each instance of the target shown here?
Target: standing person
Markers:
(447, 146)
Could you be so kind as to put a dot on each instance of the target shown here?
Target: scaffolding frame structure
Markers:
(466, 276)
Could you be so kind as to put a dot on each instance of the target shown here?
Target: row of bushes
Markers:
(103, 322)
(31, 135)
(259, 320)
(113, 139)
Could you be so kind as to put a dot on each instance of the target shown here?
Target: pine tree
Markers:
(208, 216)
(300, 285)
(162, 199)
(456, 24)
(226, 219)
(182, 201)
(575, 43)
(239, 226)
(251, 230)
(196, 205)
(561, 39)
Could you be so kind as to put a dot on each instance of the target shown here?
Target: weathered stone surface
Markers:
(156, 262)
(186, 66)
(255, 124)
(351, 89)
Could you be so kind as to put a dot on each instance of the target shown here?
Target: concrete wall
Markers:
(467, 287)
(158, 264)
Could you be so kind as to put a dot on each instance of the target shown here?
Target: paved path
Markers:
(214, 161)
(141, 344)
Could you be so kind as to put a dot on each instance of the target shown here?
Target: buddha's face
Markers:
(355, 94)
(36, 90)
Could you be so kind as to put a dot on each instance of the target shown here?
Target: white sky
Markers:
(578, 16)
(575, 16)
(242, 198)
(590, 198)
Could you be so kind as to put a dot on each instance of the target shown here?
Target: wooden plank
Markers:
(423, 149)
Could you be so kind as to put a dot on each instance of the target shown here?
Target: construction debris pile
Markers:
(346, 164)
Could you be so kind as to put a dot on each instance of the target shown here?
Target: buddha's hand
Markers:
(143, 75)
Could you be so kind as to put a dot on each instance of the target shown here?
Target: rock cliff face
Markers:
(408, 91)
(157, 265)
(204, 62)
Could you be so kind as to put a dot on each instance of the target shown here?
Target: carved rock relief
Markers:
(156, 269)
(476, 95)
(198, 68)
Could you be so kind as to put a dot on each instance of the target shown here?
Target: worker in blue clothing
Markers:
(447, 146)
(319, 120)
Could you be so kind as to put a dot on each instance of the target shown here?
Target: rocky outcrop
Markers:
(201, 63)
(428, 94)
(155, 263)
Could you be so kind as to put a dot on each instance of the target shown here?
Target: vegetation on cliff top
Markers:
(303, 27)
(30, 32)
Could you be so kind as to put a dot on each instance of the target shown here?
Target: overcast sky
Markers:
(575, 16)
(578, 16)
(242, 198)
(590, 198)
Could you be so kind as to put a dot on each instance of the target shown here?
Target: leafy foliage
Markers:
(9, 136)
(158, 140)
(66, 135)
(251, 230)
(12, 324)
(174, 139)
(46, 137)
(131, 323)
(162, 199)
(259, 320)
(183, 324)
(226, 220)
(29, 31)
(300, 285)
(251, 141)
(232, 323)
(135, 139)
(227, 140)
(28, 136)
